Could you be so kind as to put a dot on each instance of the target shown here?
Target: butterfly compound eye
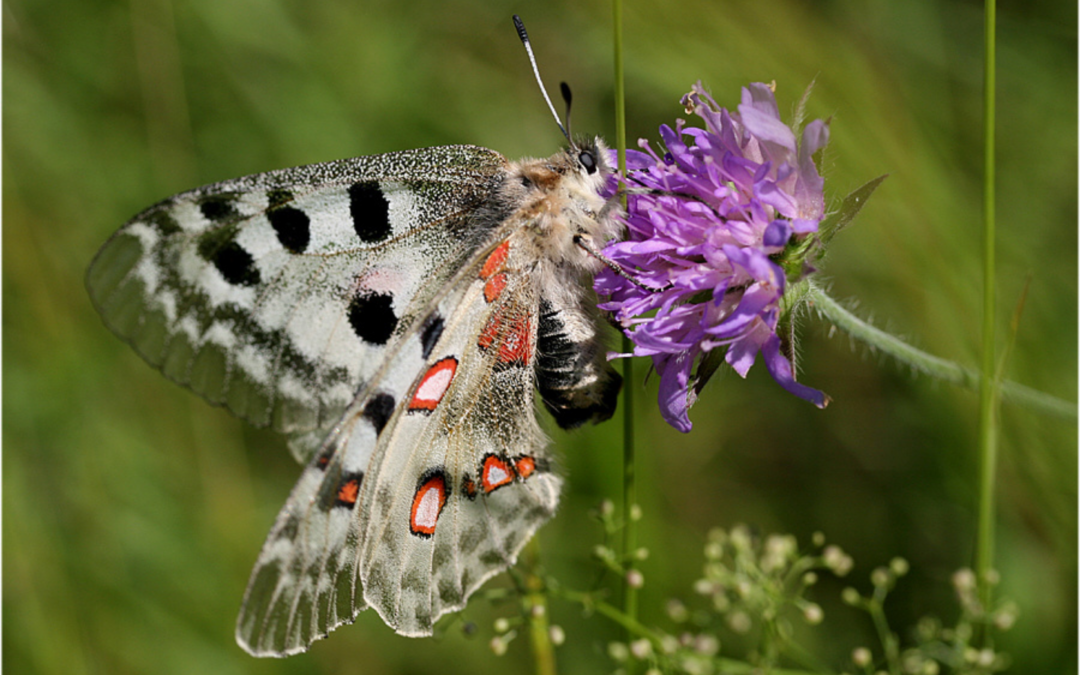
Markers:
(588, 160)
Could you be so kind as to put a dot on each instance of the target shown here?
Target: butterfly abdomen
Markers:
(572, 375)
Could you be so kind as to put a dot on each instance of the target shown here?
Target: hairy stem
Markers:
(929, 364)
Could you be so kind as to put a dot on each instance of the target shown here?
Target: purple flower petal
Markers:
(780, 368)
(777, 234)
(674, 390)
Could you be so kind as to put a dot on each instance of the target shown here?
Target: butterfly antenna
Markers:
(564, 89)
(536, 71)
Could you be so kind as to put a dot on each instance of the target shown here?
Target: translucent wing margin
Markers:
(276, 295)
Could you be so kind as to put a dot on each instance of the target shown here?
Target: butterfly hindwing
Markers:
(276, 294)
(447, 516)
(424, 489)
(306, 581)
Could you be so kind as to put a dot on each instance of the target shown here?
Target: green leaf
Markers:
(707, 366)
(850, 207)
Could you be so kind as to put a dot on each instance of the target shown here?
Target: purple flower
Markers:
(714, 231)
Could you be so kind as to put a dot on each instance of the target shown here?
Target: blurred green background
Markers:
(133, 511)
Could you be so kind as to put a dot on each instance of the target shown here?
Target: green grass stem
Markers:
(988, 391)
(629, 462)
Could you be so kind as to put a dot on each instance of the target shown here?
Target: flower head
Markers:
(711, 223)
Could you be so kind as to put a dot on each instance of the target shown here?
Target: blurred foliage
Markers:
(133, 511)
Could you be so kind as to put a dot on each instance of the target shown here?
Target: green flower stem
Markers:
(988, 392)
(536, 611)
(929, 364)
(888, 639)
(629, 487)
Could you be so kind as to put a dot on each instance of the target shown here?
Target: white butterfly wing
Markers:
(277, 294)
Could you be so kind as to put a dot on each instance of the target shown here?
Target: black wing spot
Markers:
(370, 212)
(430, 333)
(372, 317)
(235, 264)
(218, 208)
(378, 410)
(293, 227)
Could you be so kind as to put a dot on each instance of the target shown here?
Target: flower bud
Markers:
(706, 644)
(641, 649)
(677, 610)
(1005, 617)
(618, 651)
(740, 622)
(963, 580)
(880, 577)
(556, 634)
(813, 614)
(850, 596)
(861, 657)
(836, 560)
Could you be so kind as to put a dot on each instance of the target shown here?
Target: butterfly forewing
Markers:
(277, 294)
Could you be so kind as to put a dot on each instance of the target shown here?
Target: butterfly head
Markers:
(587, 164)
(562, 199)
(590, 155)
